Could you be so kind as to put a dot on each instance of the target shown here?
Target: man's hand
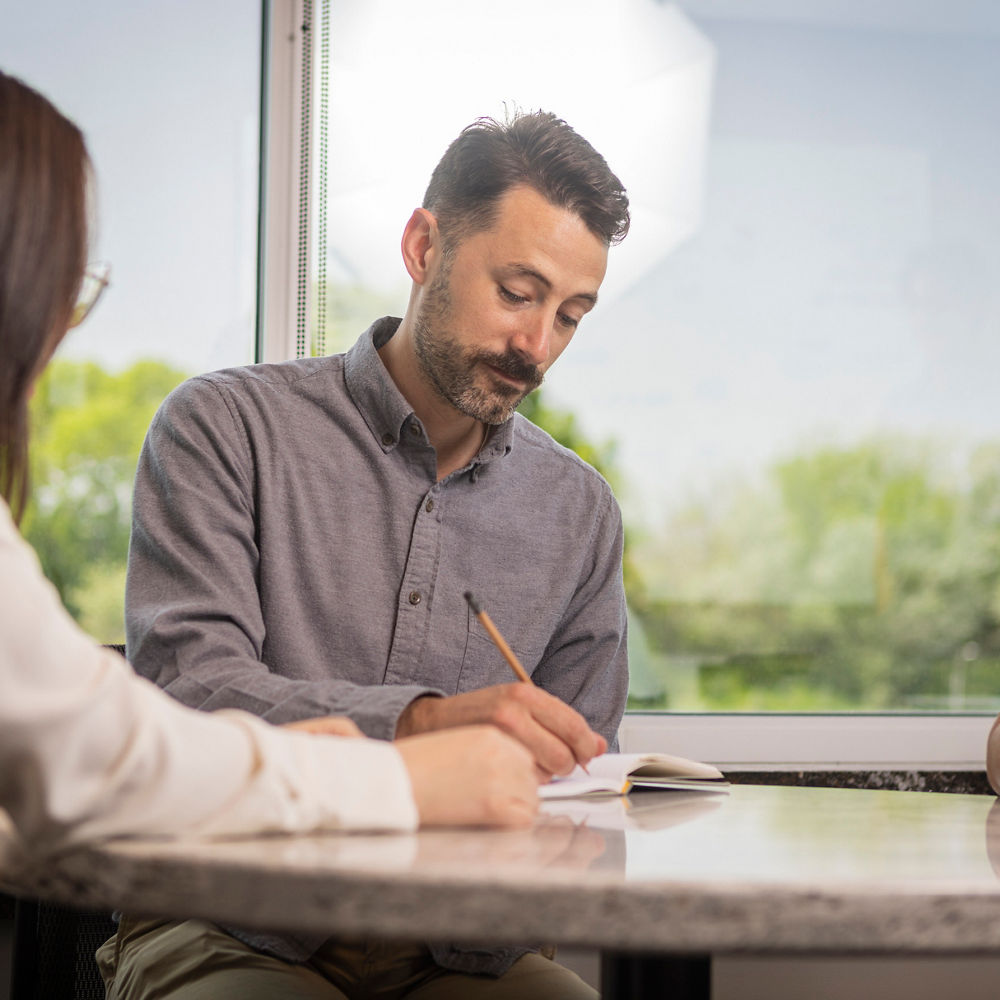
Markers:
(326, 725)
(470, 776)
(557, 736)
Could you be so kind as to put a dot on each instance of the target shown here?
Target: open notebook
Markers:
(617, 773)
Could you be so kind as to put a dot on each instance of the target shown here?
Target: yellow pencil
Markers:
(498, 640)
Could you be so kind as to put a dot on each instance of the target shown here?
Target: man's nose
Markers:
(533, 338)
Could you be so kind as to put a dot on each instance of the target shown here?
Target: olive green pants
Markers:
(192, 960)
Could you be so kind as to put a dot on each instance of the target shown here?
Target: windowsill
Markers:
(812, 743)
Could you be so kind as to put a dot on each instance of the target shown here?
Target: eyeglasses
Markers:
(96, 278)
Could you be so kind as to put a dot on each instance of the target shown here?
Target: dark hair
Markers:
(537, 149)
(43, 251)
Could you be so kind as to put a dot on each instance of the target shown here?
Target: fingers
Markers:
(327, 725)
(556, 734)
(550, 752)
(543, 776)
(471, 776)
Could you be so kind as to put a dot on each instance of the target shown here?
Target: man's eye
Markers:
(568, 321)
(512, 297)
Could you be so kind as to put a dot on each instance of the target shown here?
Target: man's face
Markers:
(499, 310)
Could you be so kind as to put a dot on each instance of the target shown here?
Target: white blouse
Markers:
(88, 749)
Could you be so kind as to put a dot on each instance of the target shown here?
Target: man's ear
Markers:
(421, 244)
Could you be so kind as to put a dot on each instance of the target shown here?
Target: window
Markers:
(168, 98)
(788, 379)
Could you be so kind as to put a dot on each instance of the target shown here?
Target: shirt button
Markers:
(388, 439)
(429, 506)
(415, 597)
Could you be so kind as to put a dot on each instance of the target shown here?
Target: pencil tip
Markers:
(472, 602)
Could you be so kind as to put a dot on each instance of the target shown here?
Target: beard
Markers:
(452, 370)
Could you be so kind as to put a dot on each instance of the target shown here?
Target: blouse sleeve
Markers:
(88, 749)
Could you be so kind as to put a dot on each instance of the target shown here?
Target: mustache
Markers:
(514, 367)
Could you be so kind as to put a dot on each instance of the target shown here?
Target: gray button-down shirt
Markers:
(293, 555)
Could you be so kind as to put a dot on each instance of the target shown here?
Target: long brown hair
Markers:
(44, 168)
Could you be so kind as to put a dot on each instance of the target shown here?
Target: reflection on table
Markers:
(763, 869)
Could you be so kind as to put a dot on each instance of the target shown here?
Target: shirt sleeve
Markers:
(88, 749)
(586, 661)
(193, 613)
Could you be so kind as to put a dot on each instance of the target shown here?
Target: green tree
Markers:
(87, 428)
(861, 577)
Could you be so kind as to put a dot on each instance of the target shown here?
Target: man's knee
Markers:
(536, 975)
(531, 977)
(192, 960)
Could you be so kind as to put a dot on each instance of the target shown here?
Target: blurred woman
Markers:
(87, 748)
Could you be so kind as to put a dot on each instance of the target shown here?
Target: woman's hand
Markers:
(471, 776)
(326, 725)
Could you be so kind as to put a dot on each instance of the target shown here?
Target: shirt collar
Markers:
(383, 407)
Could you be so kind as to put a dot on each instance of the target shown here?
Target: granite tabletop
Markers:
(764, 869)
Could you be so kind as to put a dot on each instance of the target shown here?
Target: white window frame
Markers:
(749, 741)
(281, 126)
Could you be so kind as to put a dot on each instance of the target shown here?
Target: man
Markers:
(304, 533)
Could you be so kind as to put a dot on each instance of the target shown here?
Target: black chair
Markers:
(53, 955)
(53, 948)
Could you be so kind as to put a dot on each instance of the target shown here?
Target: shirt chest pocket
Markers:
(483, 664)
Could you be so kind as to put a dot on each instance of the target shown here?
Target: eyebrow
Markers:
(529, 272)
